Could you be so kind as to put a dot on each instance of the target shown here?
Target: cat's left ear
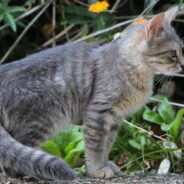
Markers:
(171, 14)
(154, 26)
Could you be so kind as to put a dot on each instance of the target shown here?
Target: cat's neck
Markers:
(140, 77)
(125, 62)
(132, 63)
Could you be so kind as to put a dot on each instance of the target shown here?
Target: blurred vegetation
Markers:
(149, 136)
(62, 21)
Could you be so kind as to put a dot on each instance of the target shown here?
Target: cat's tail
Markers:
(31, 162)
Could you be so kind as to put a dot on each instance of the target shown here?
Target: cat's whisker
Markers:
(161, 83)
(158, 81)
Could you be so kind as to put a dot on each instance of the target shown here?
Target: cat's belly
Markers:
(64, 121)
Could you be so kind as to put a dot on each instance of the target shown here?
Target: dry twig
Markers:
(143, 130)
(53, 22)
(172, 103)
(115, 5)
(81, 3)
(24, 32)
(56, 37)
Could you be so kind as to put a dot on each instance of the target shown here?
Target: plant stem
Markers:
(146, 131)
(24, 32)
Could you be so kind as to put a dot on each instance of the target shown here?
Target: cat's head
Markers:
(159, 44)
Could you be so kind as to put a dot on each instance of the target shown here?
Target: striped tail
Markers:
(31, 162)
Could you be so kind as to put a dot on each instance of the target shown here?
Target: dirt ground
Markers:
(126, 179)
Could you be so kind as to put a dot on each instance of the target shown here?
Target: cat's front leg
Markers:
(97, 131)
(110, 140)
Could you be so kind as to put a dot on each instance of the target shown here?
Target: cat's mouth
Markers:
(170, 71)
(175, 69)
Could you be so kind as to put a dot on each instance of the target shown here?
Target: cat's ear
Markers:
(154, 26)
(171, 14)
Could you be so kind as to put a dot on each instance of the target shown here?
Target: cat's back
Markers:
(46, 75)
(46, 61)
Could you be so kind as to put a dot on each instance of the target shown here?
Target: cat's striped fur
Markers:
(99, 85)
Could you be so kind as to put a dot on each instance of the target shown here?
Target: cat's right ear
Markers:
(171, 14)
(154, 26)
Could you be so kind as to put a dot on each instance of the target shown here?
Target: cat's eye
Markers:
(173, 54)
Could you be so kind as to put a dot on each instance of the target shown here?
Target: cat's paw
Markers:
(115, 168)
(110, 170)
(105, 172)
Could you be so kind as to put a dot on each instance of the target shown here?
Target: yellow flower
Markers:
(139, 21)
(99, 6)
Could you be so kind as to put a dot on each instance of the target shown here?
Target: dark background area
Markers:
(40, 30)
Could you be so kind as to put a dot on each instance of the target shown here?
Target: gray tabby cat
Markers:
(99, 85)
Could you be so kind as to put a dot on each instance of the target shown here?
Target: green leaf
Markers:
(11, 21)
(148, 142)
(75, 128)
(81, 145)
(1, 17)
(81, 170)
(166, 127)
(30, 3)
(74, 155)
(142, 140)
(15, 9)
(152, 116)
(137, 116)
(134, 144)
(51, 147)
(78, 10)
(67, 137)
(72, 145)
(158, 97)
(176, 128)
(68, 144)
(98, 24)
(75, 20)
(166, 111)
(21, 24)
